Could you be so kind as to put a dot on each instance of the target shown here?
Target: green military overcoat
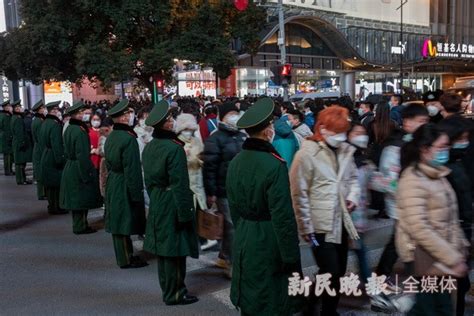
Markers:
(37, 146)
(124, 198)
(266, 238)
(52, 158)
(21, 143)
(5, 131)
(79, 180)
(171, 199)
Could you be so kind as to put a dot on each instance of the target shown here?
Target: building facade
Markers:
(364, 46)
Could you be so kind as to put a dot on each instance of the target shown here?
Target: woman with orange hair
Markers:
(325, 189)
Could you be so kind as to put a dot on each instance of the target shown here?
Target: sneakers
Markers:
(381, 303)
(208, 245)
(222, 264)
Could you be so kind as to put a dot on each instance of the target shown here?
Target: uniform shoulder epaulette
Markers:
(132, 133)
(278, 157)
(82, 128)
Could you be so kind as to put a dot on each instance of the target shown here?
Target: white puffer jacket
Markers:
(321, 184)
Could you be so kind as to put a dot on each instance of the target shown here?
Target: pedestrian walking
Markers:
(170, 232)
(124, 201)
(6, 137)
(431, 237)
(266, 250)
(40, 113)
(52, 158)
(325, 190)
(21, 144)
(79, 191)
(219, 149)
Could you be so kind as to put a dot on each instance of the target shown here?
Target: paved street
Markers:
(47, 270)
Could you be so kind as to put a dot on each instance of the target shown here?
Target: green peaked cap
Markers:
(37, 105)
(158, 113)
(260, 112)
(54, 104)
(118, 108)
(75, 107)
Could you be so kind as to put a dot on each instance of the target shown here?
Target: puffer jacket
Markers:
(320, 184)
(219, 150)
(285, 142)
(428, 216)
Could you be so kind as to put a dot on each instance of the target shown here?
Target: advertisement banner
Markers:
(197, 83)
(58, 91)
(228, 86)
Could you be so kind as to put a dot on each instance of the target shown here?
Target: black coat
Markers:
(219, 149)
(461, 184)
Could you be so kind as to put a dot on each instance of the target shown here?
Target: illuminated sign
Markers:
(196, 83)
(447, 50)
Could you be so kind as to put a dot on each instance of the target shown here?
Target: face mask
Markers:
(289, 123)
(142, 123)
(360, 112)
(131, 120)
(95, 123)
(407, 138)
(44, 112)
(187, 134)
(86, 117)
(232, 120)
(59, 116)
(432, 110)
(460, 145)
(174, 125)
(360, 141)
(336, 140)
(440, 158)
(272, 137)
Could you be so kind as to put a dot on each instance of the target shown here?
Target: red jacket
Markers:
(94, 138)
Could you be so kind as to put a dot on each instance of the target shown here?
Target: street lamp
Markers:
(402, 3)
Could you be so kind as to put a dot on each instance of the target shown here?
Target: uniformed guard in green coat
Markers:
(6, 137)
(52, 159)
(21, 143)
(170, 232)
(79, 190)
(266, 247)
(40, 114)
(124, 199)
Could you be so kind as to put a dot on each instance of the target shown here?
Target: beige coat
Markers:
(321, 184)
(193, 148)
(428, 216)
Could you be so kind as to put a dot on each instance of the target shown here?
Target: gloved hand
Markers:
(185, 225)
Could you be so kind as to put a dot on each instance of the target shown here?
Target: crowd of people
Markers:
(278, 172)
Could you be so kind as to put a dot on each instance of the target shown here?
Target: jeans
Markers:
(228, 235)
(389, 257)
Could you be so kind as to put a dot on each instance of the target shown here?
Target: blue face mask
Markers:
(460, 145)
(407, 138)
(440, 158)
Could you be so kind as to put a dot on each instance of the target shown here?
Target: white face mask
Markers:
(44, 112)
(232, 120)
(59, 116)
(187, 134)
(95, 123)
(336, 140)
(86, 117)
(142, 123)
(432, 110)
(272, 137)
(131, 120)
(174, 125)
(360, 141)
